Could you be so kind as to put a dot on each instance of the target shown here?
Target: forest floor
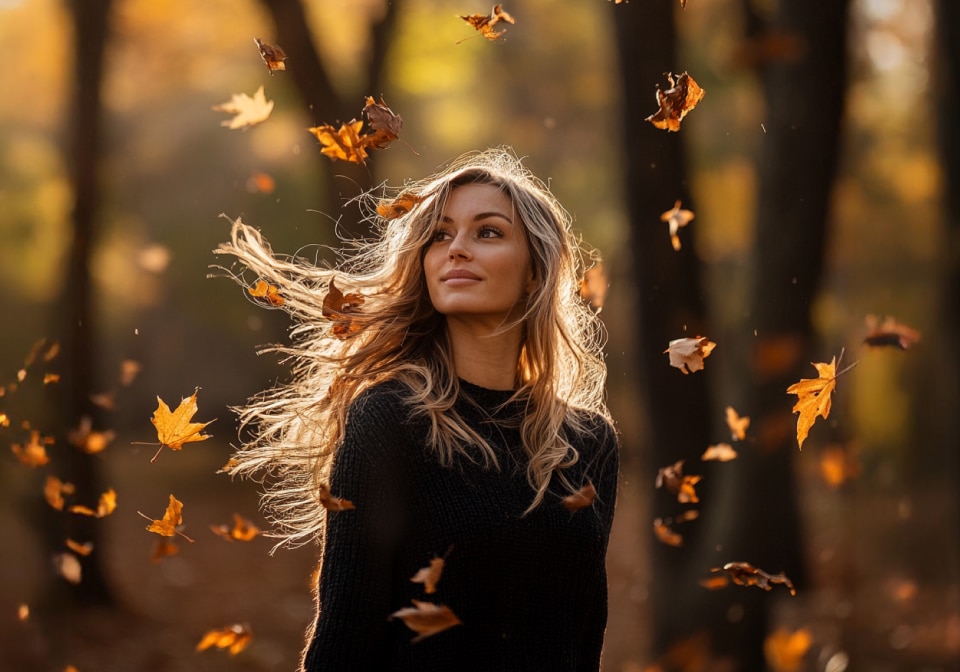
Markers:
(883, 614)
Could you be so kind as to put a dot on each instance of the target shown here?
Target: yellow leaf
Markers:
(249, 111)
(233, 637)
(175, 429)
(813, 397)
(172, 518)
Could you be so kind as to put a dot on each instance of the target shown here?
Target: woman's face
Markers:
(478, 265)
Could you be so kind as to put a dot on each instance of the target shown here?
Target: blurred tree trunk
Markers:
(804, 95)
(328, 106)
(671, 303)
(76, 323)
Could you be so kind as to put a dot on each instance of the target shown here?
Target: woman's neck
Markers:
(484, 357)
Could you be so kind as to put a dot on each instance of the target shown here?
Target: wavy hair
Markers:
(386, 328)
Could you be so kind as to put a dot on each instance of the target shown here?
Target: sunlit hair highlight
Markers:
(295, 427)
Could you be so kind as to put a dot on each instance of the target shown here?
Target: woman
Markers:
(448, 384)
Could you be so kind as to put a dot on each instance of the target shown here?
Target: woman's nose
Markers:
(459, 247)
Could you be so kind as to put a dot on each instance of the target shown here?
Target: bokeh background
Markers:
(822, 165)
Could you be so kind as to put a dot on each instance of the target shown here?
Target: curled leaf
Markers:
(264, 290)
(675, 103)
(687, 354)
(745, 574)
(272, 55)
(331, 503)
(426, 619)
(485, 23)
(676, 218)
(399, 206)
(242, 530)
(580, 499)
(233, 638)
(339, 307)
(738, 426)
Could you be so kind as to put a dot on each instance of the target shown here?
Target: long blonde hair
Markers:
(386, 328)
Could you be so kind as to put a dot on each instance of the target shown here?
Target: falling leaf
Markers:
(681, 97)
(87, 440)
(344, 143)
(80, 549)
(721, 452)
(23, 612)
(51, 378)
(687, 354)
(813, 396)
(785, 650)
(384, 122)
(338, 307)
(429, 576)
(837, 466)
(249, 111)
(593, 287)
(580, 499)
(34, 453)
(426, 618)
(272, 55)
(175, 429)
(331, 503)
(715, 582)
(129, 368)
(4, 420)
(229, 466)
(665, 534)
(68, 567)
(889, 332)
(162, 548)
(54, 489)
(242, 530)
(266, 291)
(738, 426)
(260, 183)
(399, 206)
(745, 574)
(681, 485)
(677, 218)
(172, 519)
(485, 23)
(106, 505)
(234, 638)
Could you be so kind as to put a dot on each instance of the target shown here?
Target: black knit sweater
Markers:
(530, 591)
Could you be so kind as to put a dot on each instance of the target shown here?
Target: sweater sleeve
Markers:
(354, 598)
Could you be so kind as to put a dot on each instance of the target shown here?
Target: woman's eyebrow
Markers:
(480, 216)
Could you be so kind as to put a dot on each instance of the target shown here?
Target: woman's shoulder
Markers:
(385, 400)
(594, 432)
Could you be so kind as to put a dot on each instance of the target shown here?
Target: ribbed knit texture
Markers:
(530, 590)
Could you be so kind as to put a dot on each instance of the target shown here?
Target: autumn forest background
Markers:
(823, 168)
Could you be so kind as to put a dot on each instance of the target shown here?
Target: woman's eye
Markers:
(490, 232)
(440, 235)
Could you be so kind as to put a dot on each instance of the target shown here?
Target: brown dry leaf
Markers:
(715, 582)
(681, 97)
(580, 499)
(814, 396)
(687, 354)
(676, 218)
(263, 290)
(83, 549)
(738, 426)
(272, 55)
(426, 618)
(34, 453)
(383, 121)
(106, 505)
(175, 429)
(338, 307)
(745, 574)
(681, 485)
(785, 650)
(344, 143)
(248, 111)
(331, 503)
(721, 452)
(889, 332)
(430, 575)
(234, 638)
(68, 567)
(228, 467)
(87, 440)
(54, 489)
(242, 530)
(838, 466)
(399, 206)
(485, 23)
(665, 535)
(172, 519)
(162, 548)
(51, 378)
(593, 287)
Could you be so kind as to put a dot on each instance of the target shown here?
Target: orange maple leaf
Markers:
(485, 23)
(344, 143)
(175, 429)
(681, 97)
(234, 638)
(242, 530)
(426, 618)
(580, 499)
(87, 439)
(738, 425)
(785, 650)
(677, 218)
(331, 503)
(384, 122)
(399, 206)
(665, 535)
(687, 354)
(80, 549)
(248, 111)
(338, 307)
(54, 489)
(678, 483)
(163, 548)
(430, 575)
(814, 396)
(263, 290)
(721, 452)
(172, 519)
(105, 506)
